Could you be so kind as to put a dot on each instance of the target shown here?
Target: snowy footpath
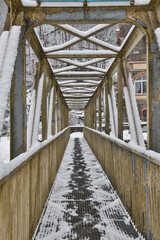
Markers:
(82, 204)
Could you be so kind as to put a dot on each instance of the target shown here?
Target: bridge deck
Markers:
(82, 204)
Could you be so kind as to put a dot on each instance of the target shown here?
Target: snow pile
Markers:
(157, 32)
(7, 69)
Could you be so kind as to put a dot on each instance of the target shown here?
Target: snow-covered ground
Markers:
(127, 135)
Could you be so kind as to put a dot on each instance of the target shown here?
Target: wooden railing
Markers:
(24, 191)
(134, 175)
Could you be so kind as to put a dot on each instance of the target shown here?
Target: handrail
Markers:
(149, 155)
(11, 168)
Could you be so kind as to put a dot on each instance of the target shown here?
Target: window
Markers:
(140, 84)
(145, 115)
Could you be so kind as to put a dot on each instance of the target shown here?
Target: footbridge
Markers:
(105, 188)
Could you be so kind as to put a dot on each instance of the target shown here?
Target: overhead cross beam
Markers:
(66, 74)
(132, 39)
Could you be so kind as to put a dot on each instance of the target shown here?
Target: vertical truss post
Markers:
(58, 110)
(67, 123)
(120, 101)
(95, 111)
(67, 116)
(112, 105)
(90, 114)
(106, 109)
(18, 140)
(129, 106)
(85, 117)
(60, 105)
(53, 112)
(92, 117)
(35, 87)
(62, 113)
(153, 118)
(99, 109)
(44, 103)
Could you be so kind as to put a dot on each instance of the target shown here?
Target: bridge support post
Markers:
(18, 101)
(92, 109)
(120, 101)
(99, 109)
(53, 112)
(58, 110)
(61, 113)
(153, 96)
(44, 103)
(95, 112)
(106, 110)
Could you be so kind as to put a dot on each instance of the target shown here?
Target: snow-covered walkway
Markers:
(82, 204)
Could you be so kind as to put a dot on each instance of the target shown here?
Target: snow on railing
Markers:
(155, 156)
(7, 66)
(6, 169)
